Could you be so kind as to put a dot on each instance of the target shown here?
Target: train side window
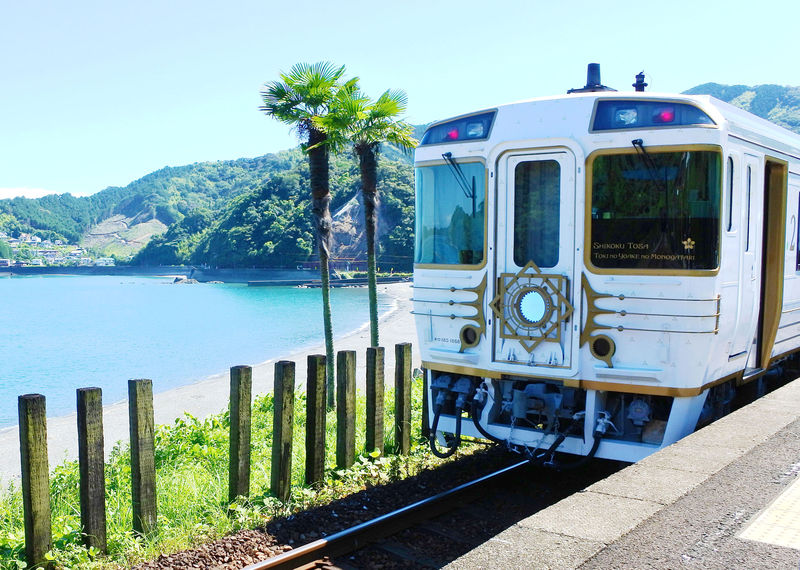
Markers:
(747, 225)
(730, 193)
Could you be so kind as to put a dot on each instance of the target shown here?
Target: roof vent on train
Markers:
(592, 81)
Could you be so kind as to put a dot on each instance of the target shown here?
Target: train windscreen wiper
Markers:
(461, 180)
(652, 169)
(638, 144)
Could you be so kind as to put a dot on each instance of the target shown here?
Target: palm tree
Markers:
(304, 94)
(367, 125)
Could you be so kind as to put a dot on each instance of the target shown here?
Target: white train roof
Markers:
(570, 116)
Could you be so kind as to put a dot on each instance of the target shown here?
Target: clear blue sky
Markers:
(99, 93)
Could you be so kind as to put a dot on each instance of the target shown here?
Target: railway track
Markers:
(435, 530)
(418, 537)
(431, 532)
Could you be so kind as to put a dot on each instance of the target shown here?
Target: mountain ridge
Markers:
(254, 212)
(777, 103)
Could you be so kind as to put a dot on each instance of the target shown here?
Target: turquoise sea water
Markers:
(62, 333)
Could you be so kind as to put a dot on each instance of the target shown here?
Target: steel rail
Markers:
(380, 527)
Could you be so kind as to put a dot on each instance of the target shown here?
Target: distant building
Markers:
(29, 238)
(104, 262)
(5, 263)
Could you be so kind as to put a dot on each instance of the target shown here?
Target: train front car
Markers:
(569, 290)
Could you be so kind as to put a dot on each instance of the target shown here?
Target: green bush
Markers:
(192, 486)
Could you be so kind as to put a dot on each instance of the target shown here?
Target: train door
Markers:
(750, 263)
(773, 258)
(535, 263)
(763, 252)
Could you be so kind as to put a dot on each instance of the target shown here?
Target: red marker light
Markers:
(452, 134)
(666, 116)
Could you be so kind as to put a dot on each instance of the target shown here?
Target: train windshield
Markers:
(450, 213)
(655, 210)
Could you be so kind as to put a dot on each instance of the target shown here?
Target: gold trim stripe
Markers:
(652, 390)
(646, 389)
(456, 369)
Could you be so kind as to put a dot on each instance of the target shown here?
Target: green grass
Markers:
(192, 486)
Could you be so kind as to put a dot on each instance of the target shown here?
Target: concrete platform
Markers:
(727, 496)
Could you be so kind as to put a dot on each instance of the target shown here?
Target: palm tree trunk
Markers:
(369, 188)
(320, 206)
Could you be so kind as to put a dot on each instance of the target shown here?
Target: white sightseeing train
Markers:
(597, 273)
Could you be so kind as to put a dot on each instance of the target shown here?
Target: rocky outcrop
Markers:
(349, 239)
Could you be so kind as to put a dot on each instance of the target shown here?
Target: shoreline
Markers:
(210, 395)
(256, 276)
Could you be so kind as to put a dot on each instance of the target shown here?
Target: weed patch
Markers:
(192, 486)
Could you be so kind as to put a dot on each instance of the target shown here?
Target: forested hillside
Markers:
(167, 195)
(271, 225)
(778, 103)
(250, 212)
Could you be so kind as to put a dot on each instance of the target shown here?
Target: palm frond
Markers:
(306, 92)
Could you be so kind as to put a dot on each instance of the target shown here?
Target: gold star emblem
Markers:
(688, 243)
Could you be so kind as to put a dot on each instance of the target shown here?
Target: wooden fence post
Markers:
(375, 397)
(281, 470)
(345, 409)
(91, 462)
(35, 478)
(315, 419)
(143, 461)
(240, 414)
(402, 397)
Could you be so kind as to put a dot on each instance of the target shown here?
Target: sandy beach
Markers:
(210, 395)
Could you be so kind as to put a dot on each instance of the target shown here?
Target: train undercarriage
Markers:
(539, 418)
